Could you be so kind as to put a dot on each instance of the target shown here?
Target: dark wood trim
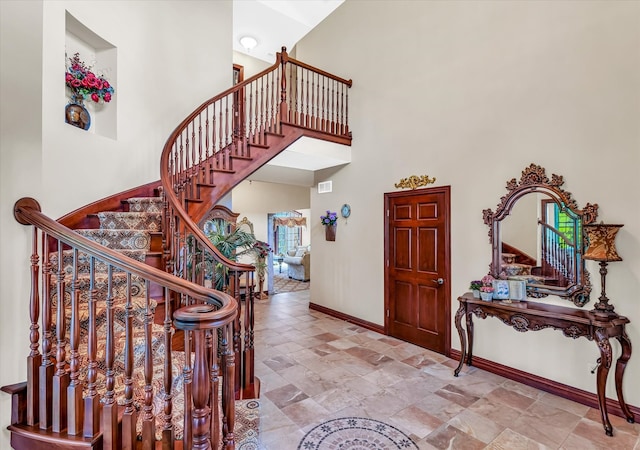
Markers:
(237, 68)
(544, 384)
(78, 218)
(347, 318)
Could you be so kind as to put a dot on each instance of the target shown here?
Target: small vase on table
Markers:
(486, 296)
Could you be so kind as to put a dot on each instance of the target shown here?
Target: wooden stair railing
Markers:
(53, 410)
(559, 254)
(221, 143)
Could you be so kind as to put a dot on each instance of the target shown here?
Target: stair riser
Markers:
(118, 288)
(145, 204)
(84, 262)
(130, 221)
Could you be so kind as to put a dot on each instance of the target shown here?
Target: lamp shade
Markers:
(602, 242)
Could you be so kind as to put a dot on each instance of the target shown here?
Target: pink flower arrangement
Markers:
(487, 283)
(84, 83)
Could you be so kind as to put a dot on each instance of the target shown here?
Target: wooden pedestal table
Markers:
(574, 323)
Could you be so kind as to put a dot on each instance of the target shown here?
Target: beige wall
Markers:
(20, 176)
(256, 199)
(167, 66)
(472, 93)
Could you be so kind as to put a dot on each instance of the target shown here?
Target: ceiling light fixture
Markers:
(248, 42)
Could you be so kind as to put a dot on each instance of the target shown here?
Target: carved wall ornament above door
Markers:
(414, 182)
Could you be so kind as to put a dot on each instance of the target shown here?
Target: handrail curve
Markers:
(27, 211)
(223, 127)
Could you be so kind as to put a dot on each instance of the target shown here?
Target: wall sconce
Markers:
(602, 247)
(248, 42)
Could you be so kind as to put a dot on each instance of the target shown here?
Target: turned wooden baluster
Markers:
(346, 114)
(45, 393)
(167, 426)
(130, 416)
(248, 352)
(228, 135)
(92, 400)
(34, 360)
(61, 377)
(75, 410)
(200, 393)
(148, 419)
(228, 394)
(215, 390)
(212, 155)
(262, 112)
(110, 408)
(237, 328)
(187, 373)
(323, 107)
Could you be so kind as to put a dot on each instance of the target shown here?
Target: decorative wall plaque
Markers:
(414, 182)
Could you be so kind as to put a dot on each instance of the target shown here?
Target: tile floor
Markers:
(314, 368)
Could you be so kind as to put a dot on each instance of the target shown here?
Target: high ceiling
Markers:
(276, 23)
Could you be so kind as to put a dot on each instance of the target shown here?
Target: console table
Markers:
(574, 323)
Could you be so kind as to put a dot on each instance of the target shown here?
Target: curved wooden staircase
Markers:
(140, 354)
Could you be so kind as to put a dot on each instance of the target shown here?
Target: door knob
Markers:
(439, 281)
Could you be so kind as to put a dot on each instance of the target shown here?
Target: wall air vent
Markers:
(325, 187)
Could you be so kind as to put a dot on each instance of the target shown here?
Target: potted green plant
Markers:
(475, 286)
(231, 243)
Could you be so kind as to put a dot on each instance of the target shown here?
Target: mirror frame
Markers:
(534, 180)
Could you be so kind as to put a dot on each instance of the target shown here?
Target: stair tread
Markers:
(118, 238)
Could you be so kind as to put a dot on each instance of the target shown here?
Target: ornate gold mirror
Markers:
(537, 236)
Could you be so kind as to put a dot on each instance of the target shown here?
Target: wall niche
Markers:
(101, 57)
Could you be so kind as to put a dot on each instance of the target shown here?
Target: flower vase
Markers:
(476, 293)
(330, 232)
(76, 114)
(486, 296)
(260, 288)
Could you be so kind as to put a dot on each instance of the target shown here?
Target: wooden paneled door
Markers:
(418, 266)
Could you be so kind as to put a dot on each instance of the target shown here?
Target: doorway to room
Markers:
(418, 268)
(286, 236)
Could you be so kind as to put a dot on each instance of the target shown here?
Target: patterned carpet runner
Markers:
(130, 234)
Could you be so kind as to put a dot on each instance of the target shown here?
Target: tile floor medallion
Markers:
(355, 433)
(315, 369)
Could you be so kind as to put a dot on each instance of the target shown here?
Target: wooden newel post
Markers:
(284, 110)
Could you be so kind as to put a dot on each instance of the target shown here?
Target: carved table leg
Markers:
(604, 345)
(621, 364)
(469, 320)
(463, 341)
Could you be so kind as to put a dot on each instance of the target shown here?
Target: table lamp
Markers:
(602, 247)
